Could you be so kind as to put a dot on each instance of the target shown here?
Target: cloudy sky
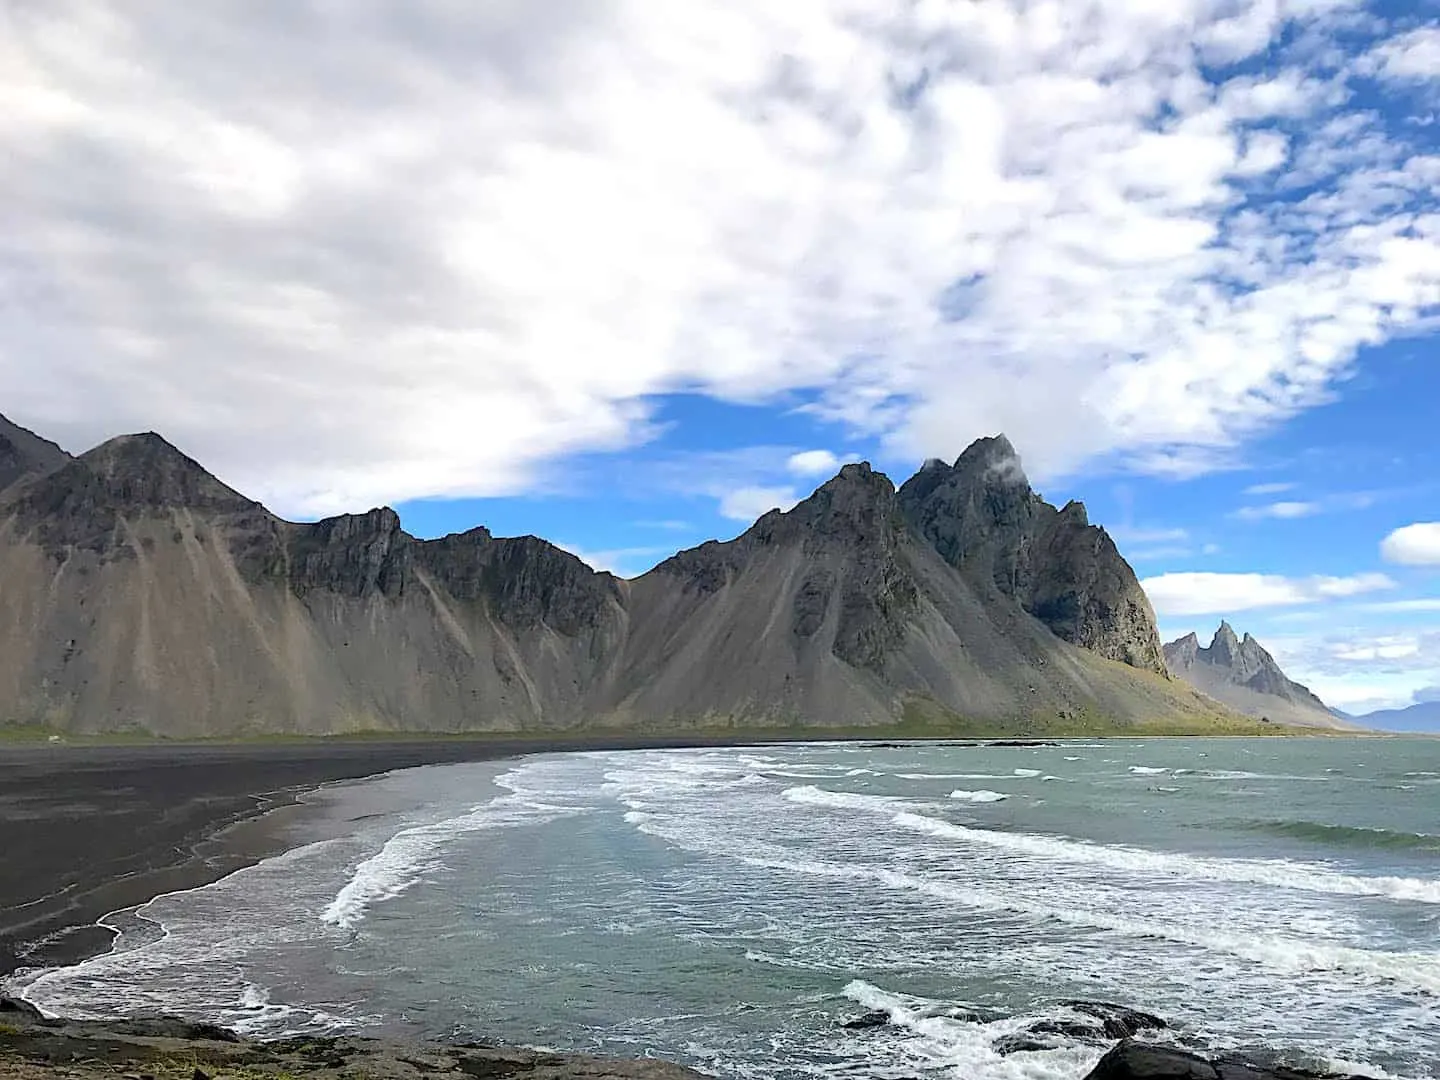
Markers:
(626, 274)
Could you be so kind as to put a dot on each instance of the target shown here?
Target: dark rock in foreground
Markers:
(1141, 1061)
(33, 1048)
(876, 1018)
(1119, 1022)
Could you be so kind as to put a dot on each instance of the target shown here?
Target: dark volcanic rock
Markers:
(876, 1018)
(92, 1050)
(857, 512)
(525, 580)
(1119, 1022)
(1139, 1061)
(1070, 1029)
(983, 518)
(81, 503)
(24, 454)
(852, 535)
(355, 555)
(19, 1007)
(1021, 1043)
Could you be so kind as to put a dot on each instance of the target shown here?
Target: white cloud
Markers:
(1269, 489)
(1419, 604)
(1411, 56)
(1384, 649)
(1219, 594)
(1360, 670)
(1413, 545)
(464, 241)
(1281, 510)
(749, 503)
(813, 463)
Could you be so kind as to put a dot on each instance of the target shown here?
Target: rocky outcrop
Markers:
(1132, 1060)
(166, 1048)
(142, 593)
(24, 455)
(1240, 673)
(984, 519)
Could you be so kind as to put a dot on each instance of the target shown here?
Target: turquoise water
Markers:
(732, 908)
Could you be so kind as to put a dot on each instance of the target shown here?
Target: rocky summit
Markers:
(143, 594)
(1240, 673)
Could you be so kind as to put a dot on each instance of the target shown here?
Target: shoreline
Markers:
(94, 830)
(63, 818)
(199, 809)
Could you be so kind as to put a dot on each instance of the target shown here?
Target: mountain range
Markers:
(143, 594)
(1240, 673)
(1422, 716)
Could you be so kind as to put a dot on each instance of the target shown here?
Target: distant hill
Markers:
(1422, 717)
(142, 593)
(1243, 675)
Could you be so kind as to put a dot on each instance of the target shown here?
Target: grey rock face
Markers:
(355, 555)
(23, 454)
(525, 580)
(983, 518)
(82, 503)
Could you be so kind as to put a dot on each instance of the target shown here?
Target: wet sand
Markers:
(87, 830)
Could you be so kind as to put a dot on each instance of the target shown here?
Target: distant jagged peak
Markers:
(1184, 650)
(1225, 640)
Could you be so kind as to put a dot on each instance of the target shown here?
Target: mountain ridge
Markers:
(1421, 717)
(1241, 673)
(144, 594)
(24, 454)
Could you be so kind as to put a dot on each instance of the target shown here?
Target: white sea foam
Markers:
(981, 796)
(843, 800)
(1409, 970)
(953, 776)
(1146, 770)
(936, 1040)
(414, 852)
(1027, 773)
(1241, 774)
(1279, 873)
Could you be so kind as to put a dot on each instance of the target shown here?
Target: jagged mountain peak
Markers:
(147, 470)
(993, 459)
(1241, 673)
(982, 517)
(24, 454)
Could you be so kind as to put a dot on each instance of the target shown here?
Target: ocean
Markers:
(733, 909)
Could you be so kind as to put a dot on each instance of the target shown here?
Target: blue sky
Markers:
(627, 278)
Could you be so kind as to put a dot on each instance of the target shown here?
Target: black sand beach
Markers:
(86, 830)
